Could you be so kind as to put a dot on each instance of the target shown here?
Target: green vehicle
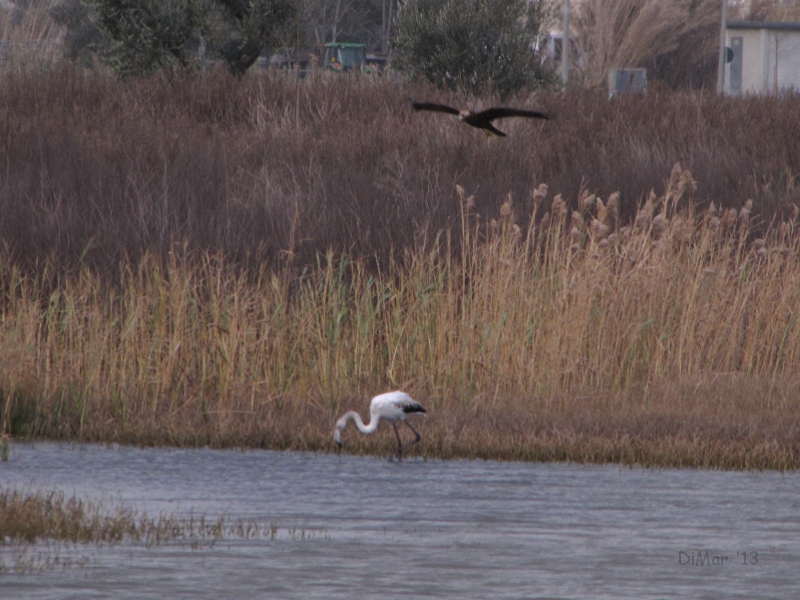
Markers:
(347, 57)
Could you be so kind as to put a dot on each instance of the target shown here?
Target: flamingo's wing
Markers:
(413, 407)
(393, 405)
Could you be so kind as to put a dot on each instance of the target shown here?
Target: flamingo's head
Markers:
(337, 437)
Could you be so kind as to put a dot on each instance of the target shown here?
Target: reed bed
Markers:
(668, 341)
(200, 260)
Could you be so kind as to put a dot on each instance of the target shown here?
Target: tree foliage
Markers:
(476, 45)
(241, 29)
(141, 36)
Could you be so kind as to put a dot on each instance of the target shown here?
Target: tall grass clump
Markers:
(674, 39)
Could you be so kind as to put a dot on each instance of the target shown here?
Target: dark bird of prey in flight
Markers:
(483, 119)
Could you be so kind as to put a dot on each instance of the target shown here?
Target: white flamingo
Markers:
(392, 406)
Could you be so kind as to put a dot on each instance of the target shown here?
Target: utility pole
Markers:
(565, 46)
(721, 63)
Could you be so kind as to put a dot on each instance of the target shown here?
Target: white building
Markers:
(766, 58)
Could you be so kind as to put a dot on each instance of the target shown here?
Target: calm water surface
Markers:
(365, 528)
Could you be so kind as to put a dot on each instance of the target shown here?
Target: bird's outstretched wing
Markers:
(503, 112)
(433, 107)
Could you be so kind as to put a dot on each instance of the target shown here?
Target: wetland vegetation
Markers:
(39, 529)
(204, 260)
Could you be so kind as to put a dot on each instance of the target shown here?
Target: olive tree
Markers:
(239, 30)
(476, 45)
(141, 36)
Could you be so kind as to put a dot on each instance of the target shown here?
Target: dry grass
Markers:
(200, 260)
(29, 37)
(567, 336)
(28, 518)
(668, 37)
(767, 10)
(265, 170)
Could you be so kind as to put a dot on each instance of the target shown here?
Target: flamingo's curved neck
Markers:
(368, 428)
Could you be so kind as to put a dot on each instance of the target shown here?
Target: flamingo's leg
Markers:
(416, 433)
(399, 443)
